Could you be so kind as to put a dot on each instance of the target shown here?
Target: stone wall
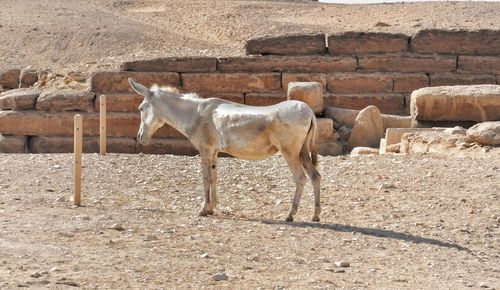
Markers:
(355, 69)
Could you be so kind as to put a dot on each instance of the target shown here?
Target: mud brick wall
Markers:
(356, 69)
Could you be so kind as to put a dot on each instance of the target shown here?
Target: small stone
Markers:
(205, 255)
(483, 285)
(220, 277)
(149, 238)
(54, 269)
(36, 275)
(85, 218)
(61, 199)
(342, 264)
(117, 227)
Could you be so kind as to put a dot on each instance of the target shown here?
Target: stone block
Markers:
(451, 79)
(408, 63)
(479, 64)
(456, 103)
(367, 42)
(359, 83)
(348, 116)
(120, 102)
(44, 144)
(407, 83)
(325, 131)
(264, 99)
(172, 64)
(167, 146)
(368, 129)
(387, 103)
(310, 93)
(12, 144)
(27, 78)
(34, 123)
(117, 82)
(486, 133)
(65, 100)
(18, 99)
(9, 79)
(481, 42)
(231, 82)
(292, 44)
(295, 64)
(287, 78)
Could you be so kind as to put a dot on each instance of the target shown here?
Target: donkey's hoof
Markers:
(315, 219)
(289, 219)
(203, 212)
(210, 212)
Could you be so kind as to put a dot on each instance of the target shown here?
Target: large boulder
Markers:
(310, 93)
(18, 99)
(368, 129)
(341, 116)
(477, 103)
(486, 133)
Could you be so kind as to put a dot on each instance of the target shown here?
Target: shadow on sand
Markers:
(367, 231)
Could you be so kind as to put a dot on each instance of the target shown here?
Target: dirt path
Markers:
(422, 222)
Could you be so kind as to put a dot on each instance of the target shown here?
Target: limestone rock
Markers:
(347, 117)
(310, 93)
(455, 130)
(364, 151)
(65, 100)
(456, 103)
(18, 99)
(486, 133)
(330, 148)
(429, 142)
(27, 78)
(368, 129)
(12, 144)
(9, 79)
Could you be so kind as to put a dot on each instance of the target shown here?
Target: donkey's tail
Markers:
(312, 136)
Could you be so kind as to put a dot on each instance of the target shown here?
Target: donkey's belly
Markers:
(244, 153)
(248, 146)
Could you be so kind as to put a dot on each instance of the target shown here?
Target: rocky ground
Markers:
(86, 36)
(388, 222)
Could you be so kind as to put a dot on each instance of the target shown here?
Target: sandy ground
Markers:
(86, 36)
(422, 222)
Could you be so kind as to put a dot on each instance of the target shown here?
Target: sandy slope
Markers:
(89, 35)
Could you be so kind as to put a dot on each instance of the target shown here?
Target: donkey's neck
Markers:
(180, 112)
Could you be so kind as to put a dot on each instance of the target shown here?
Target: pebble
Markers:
(36, 275)
(220, 277)
(61, 199)
(149, 238)
(483, 285)
(54, 269)
(117, 227)
(205, 255)
(342, 264)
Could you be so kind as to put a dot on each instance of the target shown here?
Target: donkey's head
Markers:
(151, 119)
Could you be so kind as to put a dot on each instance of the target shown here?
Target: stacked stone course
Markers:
(355, 69)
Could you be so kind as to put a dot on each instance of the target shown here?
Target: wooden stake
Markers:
(77, 172)
(102, 127)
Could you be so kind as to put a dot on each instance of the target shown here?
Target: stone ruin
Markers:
(359, 84)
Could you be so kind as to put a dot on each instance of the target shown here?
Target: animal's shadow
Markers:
(380, 233)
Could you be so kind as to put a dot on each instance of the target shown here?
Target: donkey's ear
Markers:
(140, 89)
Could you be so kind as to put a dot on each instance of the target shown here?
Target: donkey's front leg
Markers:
(213, 182)
(207, 176)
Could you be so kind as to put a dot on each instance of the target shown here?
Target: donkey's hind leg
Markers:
(213, 182)
(300, 181)
(315, 177)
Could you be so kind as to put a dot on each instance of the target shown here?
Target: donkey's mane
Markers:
(174, 90)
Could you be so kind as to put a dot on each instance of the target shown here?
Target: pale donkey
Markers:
(249, 132)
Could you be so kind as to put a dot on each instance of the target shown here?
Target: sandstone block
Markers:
(9, 79)
(486, 133)
(407, 83)
(43, 144)
(368, 129)
(287, 78)
(482, 42)
(172, 64)
(264, 99)
(295, 64)
(120, 102)
(231, 83)
(167, 146)
(408, 63)
(450, 79)
(456, 103)
(293, 44)
(117, 82)
(310, 93)
(65, 100)
(388, 103)
(359, 83)
(479, 64)
(35, 123)
(347, 117)
(27, 78)
(367, 42)
(12, 144)
(325, 131)
(18, 99)
(330, 148)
